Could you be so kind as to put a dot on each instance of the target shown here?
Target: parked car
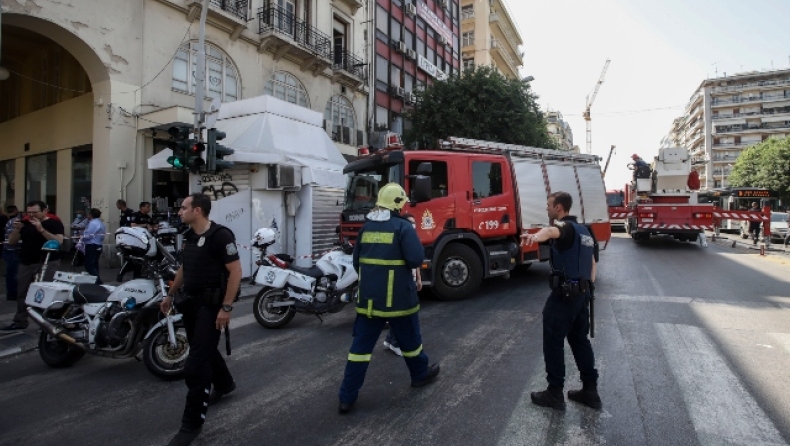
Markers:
(778, 227)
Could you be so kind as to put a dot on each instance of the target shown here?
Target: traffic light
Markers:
(195, 160)
(216, 152)
(179, 143)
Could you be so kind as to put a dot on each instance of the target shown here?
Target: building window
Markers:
(222, 81)
(287, 87)
(468, 38)
(382, 73)
(467, 12)
(469, 64)
(339, 33)
(340, 114)
(41, 173)
(81, 175)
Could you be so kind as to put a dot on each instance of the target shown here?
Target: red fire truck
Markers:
(618, 211)
(665, 200)
(472, 201)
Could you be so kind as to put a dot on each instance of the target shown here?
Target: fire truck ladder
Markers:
(476, 145)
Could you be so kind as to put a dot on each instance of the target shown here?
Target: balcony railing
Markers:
(350, 63)
(272, 18)
(741, 87)
(743, 128)
(758, 98)
(235, 7)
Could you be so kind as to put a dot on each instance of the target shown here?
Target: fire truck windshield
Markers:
(614, 199)
(362, 187)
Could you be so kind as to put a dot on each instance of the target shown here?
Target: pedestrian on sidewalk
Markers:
(11, 254)
(93, 241)
(390, 342)
(210, 275)
(566, 313)
(754, 225)
(33, 230)
(386, 252)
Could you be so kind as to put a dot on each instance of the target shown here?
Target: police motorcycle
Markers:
(78, 317)
(288, 289)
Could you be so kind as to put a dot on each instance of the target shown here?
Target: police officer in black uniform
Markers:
(566, 313)
(210, 276)
(142, 218)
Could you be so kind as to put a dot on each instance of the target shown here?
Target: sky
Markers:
(660, 52)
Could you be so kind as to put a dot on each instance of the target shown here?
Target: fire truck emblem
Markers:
(427, 220)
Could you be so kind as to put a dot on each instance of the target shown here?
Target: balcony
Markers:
(283, 34)
(349, 70)
(354, 5)
(750, 85)
(232, 13)
(696, 139)
(499, 49)
(754, 98)
(730, 145)
(760, 128)
(694, 99)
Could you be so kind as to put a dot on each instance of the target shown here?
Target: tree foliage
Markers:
(479, 104)
(767, 165)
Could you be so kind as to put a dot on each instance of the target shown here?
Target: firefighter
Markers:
(386, 251)
(566, 313)
(210, 275)
(641, 168)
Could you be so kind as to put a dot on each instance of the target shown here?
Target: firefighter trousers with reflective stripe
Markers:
(205, 365)
(366, 334)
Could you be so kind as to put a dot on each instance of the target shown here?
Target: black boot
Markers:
(587, 395)
(551, 397)
(184, 437)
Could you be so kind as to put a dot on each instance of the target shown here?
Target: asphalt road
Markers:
(692, 344)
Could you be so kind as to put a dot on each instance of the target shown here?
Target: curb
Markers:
(32, 344)
(735, 243)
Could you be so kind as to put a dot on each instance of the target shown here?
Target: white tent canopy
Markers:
(267, 130)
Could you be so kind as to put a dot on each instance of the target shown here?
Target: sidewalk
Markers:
(737, 242)
(20, 342)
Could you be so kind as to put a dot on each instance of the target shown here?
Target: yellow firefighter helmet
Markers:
(392, 197)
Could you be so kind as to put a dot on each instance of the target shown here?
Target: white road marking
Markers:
(782, 339)
(656, 285)
(721, 409)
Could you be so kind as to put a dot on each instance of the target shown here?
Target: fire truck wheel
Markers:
(459, 273)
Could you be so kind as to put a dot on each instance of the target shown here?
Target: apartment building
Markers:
(416, 44)
(729, 113)
(95, 85)
(560, 131)
(675, 136)
(489, 36)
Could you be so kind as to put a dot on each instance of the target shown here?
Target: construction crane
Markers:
(590, 100)
(608, 158)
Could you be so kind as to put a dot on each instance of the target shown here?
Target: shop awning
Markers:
(266, 130)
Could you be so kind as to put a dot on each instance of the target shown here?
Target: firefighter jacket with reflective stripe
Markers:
(384, 256)
(574, 263)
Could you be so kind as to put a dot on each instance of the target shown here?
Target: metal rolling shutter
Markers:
(593, 193)
(326, 217)
(532, 192)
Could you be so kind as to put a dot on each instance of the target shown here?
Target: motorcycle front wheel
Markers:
(162, 359)
(57, 353)
(267, 316)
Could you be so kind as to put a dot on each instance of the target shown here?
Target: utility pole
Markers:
(200, 74)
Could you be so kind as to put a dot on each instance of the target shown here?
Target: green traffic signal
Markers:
(180, 145)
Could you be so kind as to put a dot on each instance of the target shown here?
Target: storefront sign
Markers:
(430, 68)
(435, 22)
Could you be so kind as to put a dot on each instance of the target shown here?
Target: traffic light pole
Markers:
(200, 75)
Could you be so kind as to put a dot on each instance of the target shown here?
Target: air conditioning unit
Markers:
(409, 98)
(397, 91)
(411, 54)
(281, 176)
(401, 47)
(442, 40)
(411, 9)
(443, 3)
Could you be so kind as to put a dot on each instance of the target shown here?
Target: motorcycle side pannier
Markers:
(136, 242)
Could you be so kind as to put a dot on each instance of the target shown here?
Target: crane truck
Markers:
(665, 199)
(472, 200)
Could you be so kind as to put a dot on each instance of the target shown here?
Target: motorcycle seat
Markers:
(88, 293)
(313, 271)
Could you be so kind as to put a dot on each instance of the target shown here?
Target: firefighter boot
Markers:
(551, 397)
(587, 395)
